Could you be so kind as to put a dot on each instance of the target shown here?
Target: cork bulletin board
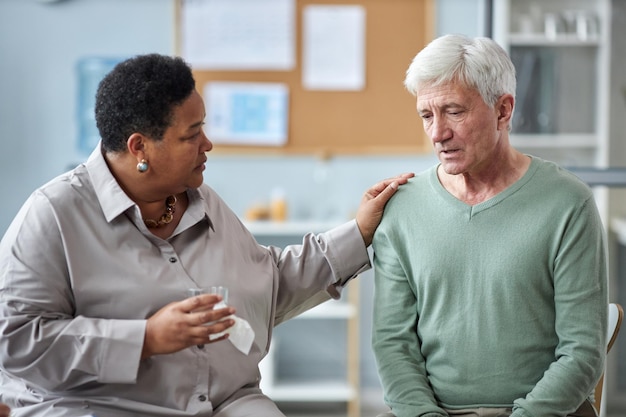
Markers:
(379, 119)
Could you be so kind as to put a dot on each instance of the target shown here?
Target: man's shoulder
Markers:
(414, 190)
(560, 181)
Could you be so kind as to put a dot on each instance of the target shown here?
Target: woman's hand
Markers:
(182, 324)
(373, 203)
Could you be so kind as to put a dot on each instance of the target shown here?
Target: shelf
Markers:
(343, 389)
(562, 53)
(540, 39)
(323, 391)
(557, 140)
(605, 177)
(330, 310)
(289, 228)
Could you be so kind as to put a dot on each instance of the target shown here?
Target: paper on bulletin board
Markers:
(238, 34)
(333, 51)
(242, 113)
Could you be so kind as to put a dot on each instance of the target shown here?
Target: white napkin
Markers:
(240, 334)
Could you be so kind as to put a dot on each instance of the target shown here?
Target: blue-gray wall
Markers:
(40, 45)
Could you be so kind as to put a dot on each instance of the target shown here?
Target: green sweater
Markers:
(501, 304)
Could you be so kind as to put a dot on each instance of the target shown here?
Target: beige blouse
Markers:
(80, 274)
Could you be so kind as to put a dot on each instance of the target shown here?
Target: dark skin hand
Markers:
(5, 411)
(182, 324)
(373, 203)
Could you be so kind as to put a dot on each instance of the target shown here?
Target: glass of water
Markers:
(217, 289)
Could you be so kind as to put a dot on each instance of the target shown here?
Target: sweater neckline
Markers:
(491, 202)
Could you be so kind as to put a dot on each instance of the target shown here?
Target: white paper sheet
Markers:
(238, 34)
(247, 113)
(333, 56)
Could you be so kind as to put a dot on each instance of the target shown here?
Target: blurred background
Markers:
(571, 61)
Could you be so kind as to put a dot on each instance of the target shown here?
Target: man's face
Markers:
(465, 131)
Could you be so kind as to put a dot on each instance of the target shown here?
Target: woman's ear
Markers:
(136, 146)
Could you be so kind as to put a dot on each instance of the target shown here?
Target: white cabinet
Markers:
(561, 51)
(332, 326)
(571, 80)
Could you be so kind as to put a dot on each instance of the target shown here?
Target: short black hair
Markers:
(139, 95)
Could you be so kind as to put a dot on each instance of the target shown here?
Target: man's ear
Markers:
(504, 108)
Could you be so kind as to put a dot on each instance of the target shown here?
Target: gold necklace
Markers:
(166, 218)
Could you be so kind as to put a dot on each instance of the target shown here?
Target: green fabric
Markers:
(501, 304)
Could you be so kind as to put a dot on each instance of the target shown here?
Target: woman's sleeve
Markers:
(318, 268)
(41, 338)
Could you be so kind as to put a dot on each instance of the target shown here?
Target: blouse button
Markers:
(202, 398)
(173, 260)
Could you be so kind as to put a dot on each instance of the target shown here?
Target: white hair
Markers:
(478, 63)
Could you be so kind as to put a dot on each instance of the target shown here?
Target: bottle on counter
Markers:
(278, 205)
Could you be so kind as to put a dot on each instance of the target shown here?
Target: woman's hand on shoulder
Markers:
(373, 203)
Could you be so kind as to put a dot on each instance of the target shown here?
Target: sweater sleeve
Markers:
(581, 300)
(395, 341)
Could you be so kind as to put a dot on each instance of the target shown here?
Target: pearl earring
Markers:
(142, 166)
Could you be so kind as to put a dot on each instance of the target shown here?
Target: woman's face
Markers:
(177, 161)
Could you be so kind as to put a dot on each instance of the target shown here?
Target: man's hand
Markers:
(373, 203)
(182, 324)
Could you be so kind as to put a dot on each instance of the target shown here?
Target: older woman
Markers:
(93, 270)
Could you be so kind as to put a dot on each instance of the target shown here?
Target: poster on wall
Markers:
(247, 113)
(90, 70)
(239, 34)
(333, 50)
